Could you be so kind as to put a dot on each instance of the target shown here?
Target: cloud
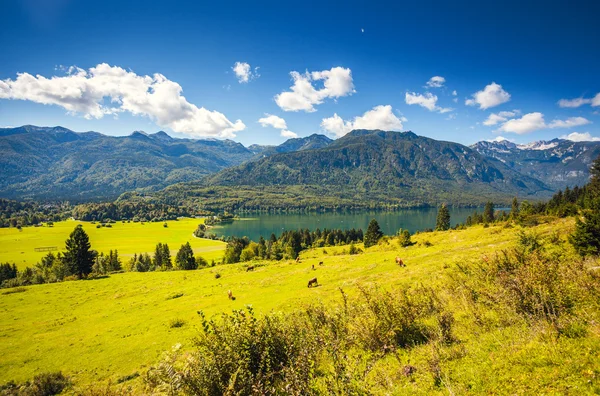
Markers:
(502, 116)
(491, 96)
(499, 139)
(436, 82)
(528, 123)
(84, 92)
(580, 137)
(380, 117)
(273, 121)
(535, 121)
(454, 93)
(428, 101)
(288, 134)
(244, 72)
(569, 122)
(337, 82)
(270, 120)
(572, 103)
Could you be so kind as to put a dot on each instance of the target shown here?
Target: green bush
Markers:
(318, 350)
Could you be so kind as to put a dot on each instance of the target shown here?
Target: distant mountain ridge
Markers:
(558, 162)
(401, 163)
(57, 163)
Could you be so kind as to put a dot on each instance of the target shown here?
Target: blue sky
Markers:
(354, 59)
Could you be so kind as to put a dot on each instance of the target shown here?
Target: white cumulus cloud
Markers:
(577, 102)
(428, 101)
(380, 117)
(288, 134)
(492, 95)
(244, 72)
(569, 122)
(535, 121)
(303, 95)
(580, 137)
(502, 116)
(270, 120)
(273, 121)
(436, 82)
(84, 92)
(499, 139)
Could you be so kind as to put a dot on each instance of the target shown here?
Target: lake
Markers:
(253, 226)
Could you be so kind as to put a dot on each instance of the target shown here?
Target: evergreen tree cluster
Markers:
(105, 264)
(288, 245)
(162, 261)
(21, 214)
(134, 211)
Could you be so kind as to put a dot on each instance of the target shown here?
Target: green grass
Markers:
(106, 329)
(128, 238)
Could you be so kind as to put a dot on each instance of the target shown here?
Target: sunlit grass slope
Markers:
(128, 238)
(108, 328)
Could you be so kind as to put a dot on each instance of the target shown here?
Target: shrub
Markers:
(318, 350)
(46, 384)
(404, 238)
(176, 323)
(532, 283)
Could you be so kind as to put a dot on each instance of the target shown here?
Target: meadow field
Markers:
(115, 328)
(128, 238)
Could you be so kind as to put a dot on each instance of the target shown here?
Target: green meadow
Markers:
(106, 329)
(128, 238)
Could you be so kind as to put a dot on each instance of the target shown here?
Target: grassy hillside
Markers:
(109, 328)
(128, 238)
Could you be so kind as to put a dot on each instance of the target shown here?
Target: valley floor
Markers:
(106, 329)
(19, 247)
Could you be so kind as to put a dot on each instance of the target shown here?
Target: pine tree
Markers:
(78, 257)
(488, 212)
(158, 255)
(443, 219)
(185, 258)
(373, 234)
(586, 237)
(514, 209)
(166, 257)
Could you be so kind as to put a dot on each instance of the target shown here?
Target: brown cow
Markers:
(320, 263)
(298, 259)
(313, 282)
(400, 262)
(313, 267)
(250, 268)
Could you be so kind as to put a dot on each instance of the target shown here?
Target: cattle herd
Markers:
(312, 282)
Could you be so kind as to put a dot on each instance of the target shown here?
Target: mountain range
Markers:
(399, 163)
(57, 163)
(558, 162)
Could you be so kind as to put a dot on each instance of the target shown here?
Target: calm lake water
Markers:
(390, 222)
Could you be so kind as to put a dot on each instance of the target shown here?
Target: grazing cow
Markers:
(250, 268)
(313, 267)
(230, 294)
(400, 262)
(298, 259)
(320, 263)
(313, 282)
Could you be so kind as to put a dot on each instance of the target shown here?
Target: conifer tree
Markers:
(185, 258)
(514, 209)
(488, 212)
(586, 237)
(443, 218)
(78, 256)
(373, 234)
